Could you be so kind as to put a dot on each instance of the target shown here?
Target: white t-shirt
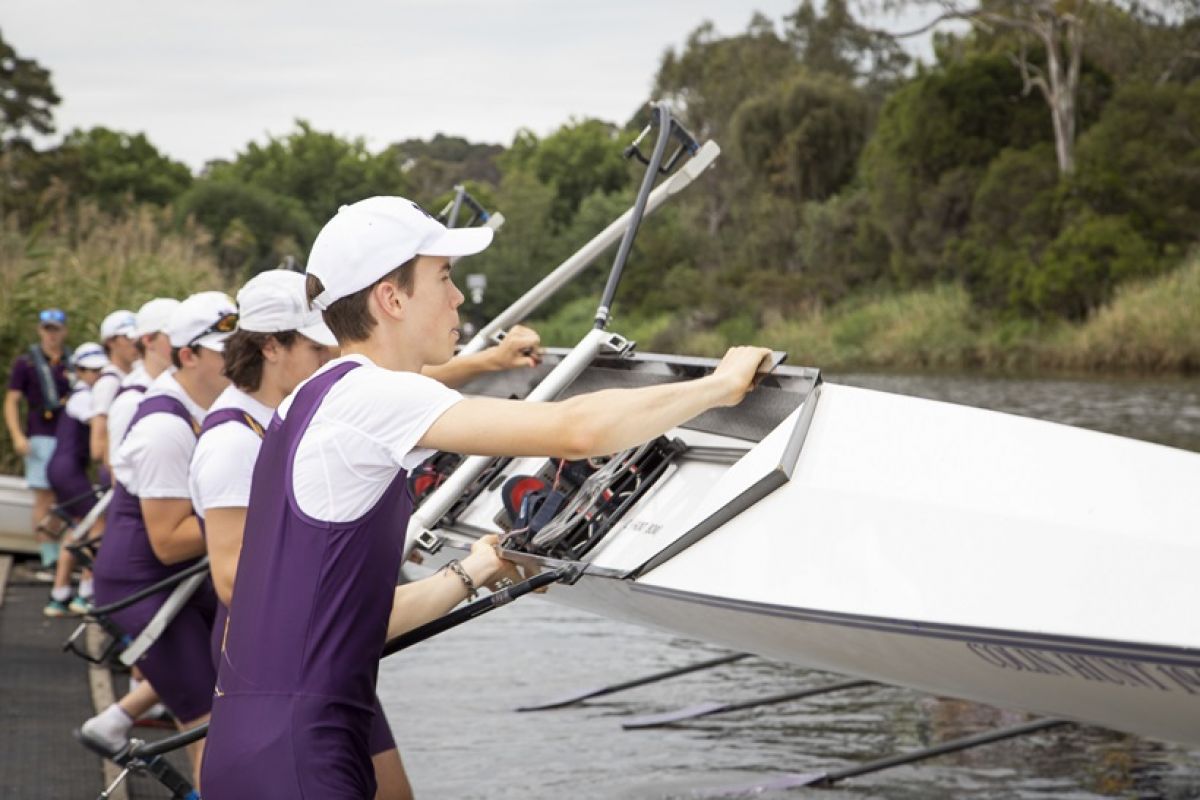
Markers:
(362, 434)
(79, 404)
(107, 385)
(123, 407)
(153, 460)
(223, 463)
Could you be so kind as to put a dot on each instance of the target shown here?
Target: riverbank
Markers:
(1149, 328)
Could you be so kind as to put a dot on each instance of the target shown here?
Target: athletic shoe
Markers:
(56, 608)
(46, 574)
(80, 605)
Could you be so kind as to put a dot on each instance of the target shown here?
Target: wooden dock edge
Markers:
(103, 695)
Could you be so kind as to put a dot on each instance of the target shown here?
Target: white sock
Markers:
(86, 588)
(111, 726)
(61, 593)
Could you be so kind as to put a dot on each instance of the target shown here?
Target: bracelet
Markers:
(454, 566)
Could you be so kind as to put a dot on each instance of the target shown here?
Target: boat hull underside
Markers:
(1154, 692)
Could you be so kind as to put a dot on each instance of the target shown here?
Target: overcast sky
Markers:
(202, 79)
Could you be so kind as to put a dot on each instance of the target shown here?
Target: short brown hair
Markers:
(350, 317)
(244, 358)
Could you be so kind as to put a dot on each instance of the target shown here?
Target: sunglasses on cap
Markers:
(227, 323)
(54, 317)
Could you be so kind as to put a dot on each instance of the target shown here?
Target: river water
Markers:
(451, 700)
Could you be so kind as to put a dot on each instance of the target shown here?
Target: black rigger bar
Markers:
(821, 779)
(587, 694)
(708, 709)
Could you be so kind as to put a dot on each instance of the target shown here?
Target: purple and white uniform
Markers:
(220, 477)
(329, 505)
(67, 470)
(124, 405)
(152, 463)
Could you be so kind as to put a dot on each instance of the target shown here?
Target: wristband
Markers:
(454, 566)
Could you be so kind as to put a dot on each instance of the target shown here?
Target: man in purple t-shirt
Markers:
(39, 371)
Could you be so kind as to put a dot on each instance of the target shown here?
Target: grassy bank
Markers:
(89, 267)
(1151, 327)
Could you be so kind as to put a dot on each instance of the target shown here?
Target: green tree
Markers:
(27, 96)
(319, 170)
(934, 140)
(1142, 160)
(253, 228)
(115, 168)
(836, 43)
(802, 136)
(577, 160)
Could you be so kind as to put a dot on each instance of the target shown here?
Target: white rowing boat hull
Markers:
(949, 549)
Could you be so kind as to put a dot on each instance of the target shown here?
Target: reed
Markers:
(89, 264)
(1148, 327)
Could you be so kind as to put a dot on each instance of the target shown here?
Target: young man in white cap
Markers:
(152, 344)
(152, 532)
(68, 474)
(280, 342)
(316, 597)
(108, 731)
(118, 335)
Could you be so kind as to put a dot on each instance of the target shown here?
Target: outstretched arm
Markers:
(425, 600)
(599, 423)
(521, 347)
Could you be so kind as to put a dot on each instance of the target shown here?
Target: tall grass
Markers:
(1152, 326)
(88, 265)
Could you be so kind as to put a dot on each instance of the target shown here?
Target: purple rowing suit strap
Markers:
(133, 387)
(67, 468)
(296, 687)
(179, 663)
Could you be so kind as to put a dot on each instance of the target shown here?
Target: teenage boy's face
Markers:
(123, 348)
(433, 311)
(52, 336)
(301, 360)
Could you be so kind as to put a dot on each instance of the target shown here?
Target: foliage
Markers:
(27, 96)
(579, 159)
(90, 264)
(320, 170)
(254, 227)
(802, 137)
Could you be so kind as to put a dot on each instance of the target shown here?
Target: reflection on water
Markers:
(450, 700)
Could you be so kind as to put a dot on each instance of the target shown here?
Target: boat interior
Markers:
(624, 514)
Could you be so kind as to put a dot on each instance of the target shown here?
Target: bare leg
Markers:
(138, 701)
(66, 563)
(43, 500)
(390, 776)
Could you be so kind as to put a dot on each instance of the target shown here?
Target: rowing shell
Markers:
(950, 549)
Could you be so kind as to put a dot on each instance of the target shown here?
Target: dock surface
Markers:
(44, 695)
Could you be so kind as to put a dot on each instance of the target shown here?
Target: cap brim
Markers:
(458, 242)
(214, 342)
(320, 334)
(91, 363)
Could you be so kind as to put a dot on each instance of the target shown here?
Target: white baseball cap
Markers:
(153, 317)
(118, 323)
(90, 355)
(274, 301)
(367, 240)
(206, 319)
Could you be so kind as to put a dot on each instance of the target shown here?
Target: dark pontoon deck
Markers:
(44, 695)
